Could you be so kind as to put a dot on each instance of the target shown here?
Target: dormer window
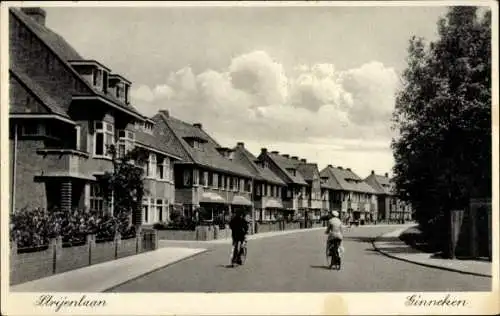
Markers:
(94, 72)
(195, 142)
(291, 171)
(119, 87)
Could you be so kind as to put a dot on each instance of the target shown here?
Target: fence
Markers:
(30, 264)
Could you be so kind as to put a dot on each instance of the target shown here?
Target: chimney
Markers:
(330, 166)
(165, 113)
(295, 158)
(286, 155)
(386, 175)
(37, 14)
(340, 167)
(240, 145)
(303, 160)
(349, 169)
(198, 125)
(373, 172)
(275, 152)
(263, 150)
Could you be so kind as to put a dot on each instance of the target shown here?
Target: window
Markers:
(210, 179)
(159, 210)
(248, 186)
(77, 137)
(31, 129)
(145, 210)
(151, 170)
(203, 175)
(103, 138)
(163, 168)
(97, 77)
(125, 142)
(257, 190)
(288, 193)
(96, 197)
(188, 178)
(126, 93)
(221, 181)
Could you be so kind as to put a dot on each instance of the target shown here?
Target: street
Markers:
(296, 263)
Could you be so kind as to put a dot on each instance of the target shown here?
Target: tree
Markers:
(125, 184)
(443, 115)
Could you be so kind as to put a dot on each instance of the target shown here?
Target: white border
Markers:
(261, 303)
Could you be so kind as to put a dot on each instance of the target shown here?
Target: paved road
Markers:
(296, 263)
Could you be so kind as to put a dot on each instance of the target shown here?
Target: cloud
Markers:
(255, 98)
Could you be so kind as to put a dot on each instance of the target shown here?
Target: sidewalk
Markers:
(104, 276)
(107, 275)
(390, 245)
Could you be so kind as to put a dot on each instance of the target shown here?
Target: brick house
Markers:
(268, 187)
(64, 112)
(294, 195)
(314, 193)
(352, 197)
(390, 207)
(207, 179)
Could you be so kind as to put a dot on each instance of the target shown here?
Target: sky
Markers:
(315, 82)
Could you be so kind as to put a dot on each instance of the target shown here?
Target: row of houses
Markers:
(65, 110)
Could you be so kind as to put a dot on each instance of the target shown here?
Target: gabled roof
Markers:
(37, 91)
(247, 159)
(286, 163)
(307, 170)
(65, 52)
(381, 184)
(161, 139)
(346, 180)
(208, 155)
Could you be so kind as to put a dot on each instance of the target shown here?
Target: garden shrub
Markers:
(33, 228)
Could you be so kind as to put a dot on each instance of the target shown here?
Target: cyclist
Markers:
(239, 230)
(334, 231)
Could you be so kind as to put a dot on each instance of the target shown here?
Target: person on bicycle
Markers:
(239, 230)
(335, 231)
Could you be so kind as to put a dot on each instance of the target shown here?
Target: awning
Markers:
(273, 204)
(211, 197)
(241, 200)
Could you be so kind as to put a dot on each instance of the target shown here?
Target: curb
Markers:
(154, 270)
(428, 265)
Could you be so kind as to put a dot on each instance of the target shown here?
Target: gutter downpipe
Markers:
(14, 162)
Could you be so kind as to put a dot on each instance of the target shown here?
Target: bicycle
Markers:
(239, 253)
(334, 255)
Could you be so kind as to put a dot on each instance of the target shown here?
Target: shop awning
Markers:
(211, 197)
(273, 204)
(241, 200)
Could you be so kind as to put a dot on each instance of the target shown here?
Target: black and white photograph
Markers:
(237, 148)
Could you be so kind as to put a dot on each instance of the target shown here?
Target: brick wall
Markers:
(126, 247)
(29, 266)
(29, 164)
(71, 258)
(25, 267)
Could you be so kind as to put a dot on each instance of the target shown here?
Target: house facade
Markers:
(391, 209)
(208, 182)
(267, 188)
(314, 192)
(65, 111)
(354, 199)
(294, 195)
